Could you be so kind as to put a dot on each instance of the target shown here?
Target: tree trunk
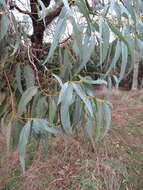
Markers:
(135, 76)
(39, 27)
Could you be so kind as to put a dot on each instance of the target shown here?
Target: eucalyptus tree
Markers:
(128, 39)
(48, 89)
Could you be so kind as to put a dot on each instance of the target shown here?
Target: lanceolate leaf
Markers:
(82, 95)
(60, 29)
(100, 42)
(107, 114)
(116, 81)
(99, 81)
(105, 36)
(84, 10)
(87, 49)
(41, 107)
(4, 23)
(25, 99)
(68, 7)
(78, 38)
(66, 101)
(58, 79)
(39, 127)
(139, 44)
(16, 47)
(3, 107)
(34, 104)
(66, 68)
(77, 113)
(124, 60)
(43, 11)
(89, 128)
(109, 83)
(52, 110)
(18, 78)
(63, 90)
(17, 126)
(23, 141)
(129, 6)
(99, 119)
(14, 21)
(117, 32)
(29, 76)
(115, 58)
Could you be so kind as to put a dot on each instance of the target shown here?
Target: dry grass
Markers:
(116, 164)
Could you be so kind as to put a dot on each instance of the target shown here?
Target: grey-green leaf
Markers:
(52, 109)
(23, 141)
(89, 128)
(98, 81)
(25, 99)
(115, 58)
(58, 79)
(19, 78)
(4, 23)
(82, 95)
(129, 6)
(105, 36)
(99, 119)
(124, 50)
(29, 76)
(41, 107)
(66, 101)
(42, 126)
(107, 112)
(38, 127)
(60, 29)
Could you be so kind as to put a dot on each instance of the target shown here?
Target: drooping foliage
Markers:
(47, 87)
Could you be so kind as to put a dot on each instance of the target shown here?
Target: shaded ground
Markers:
(117, 163)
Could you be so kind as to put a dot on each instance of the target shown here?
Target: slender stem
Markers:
(11, 94)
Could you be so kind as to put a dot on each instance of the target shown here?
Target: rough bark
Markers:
(38, 25)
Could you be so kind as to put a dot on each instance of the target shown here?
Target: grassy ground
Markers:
(116, 164)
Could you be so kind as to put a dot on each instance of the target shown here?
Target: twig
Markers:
(12, 5)
(11, 94)
(68, 38)
(34, 67)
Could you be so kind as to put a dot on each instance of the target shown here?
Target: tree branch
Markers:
(12, 5)
(38, 25)
(46, 2)
(53, 14)
(88, 6)
(34, 9)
